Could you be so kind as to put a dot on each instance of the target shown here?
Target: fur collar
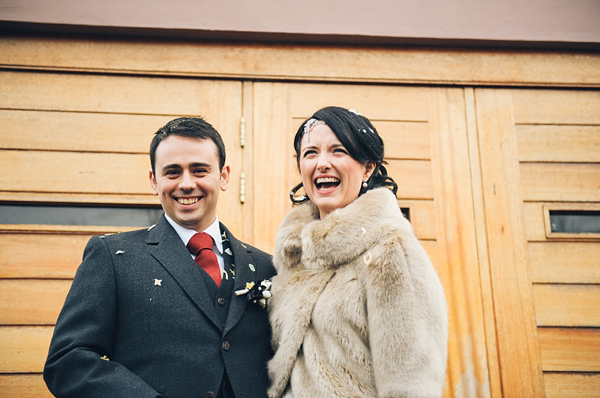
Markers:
(306, 242)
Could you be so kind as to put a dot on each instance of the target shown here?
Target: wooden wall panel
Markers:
(128, 173)
(405, 140)
(570, 349)
(295, 62)
(75, 131)
(560, 182)
(567, 305)
(565, 262)
(415, 176)
(31, 302)
(546, 143)
(24, 348)
(422, 217)
(23, 386)
(556, 107)
(572, 385)
(48, 255)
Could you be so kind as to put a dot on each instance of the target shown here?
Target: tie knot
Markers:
(199, 242)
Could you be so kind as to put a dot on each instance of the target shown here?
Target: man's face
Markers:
(187, 180)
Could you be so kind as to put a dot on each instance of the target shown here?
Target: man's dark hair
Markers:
(194, 127)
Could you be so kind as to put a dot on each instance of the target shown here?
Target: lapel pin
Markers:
(119, 252)
(151, 226)
(251, 266)
(228, 251)
(157, 282)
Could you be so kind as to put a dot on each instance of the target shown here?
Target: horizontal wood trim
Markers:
(567, 305)
(48, 255)
(571, 385)
(114, 94)
(83, 198)
(560, 181)
(127, 174)
(556, 107)
(24, 348)
(405, 140)
(23, 386)
(75, 131)
(31, 301)
(414, 177)
(398, 65)
(564, 262)
(62, 229)
(422, 217)
(558, 143)
(570, 349)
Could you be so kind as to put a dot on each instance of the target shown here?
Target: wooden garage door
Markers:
(425, 133)
(540, 152)
(82, 139)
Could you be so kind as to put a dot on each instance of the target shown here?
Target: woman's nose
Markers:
(323, 162)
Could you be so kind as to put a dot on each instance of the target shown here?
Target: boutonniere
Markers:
(256, 293)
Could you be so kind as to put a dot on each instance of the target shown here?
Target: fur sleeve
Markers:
(407, 319)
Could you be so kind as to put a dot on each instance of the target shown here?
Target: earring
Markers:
(364, 184)
(296, 200)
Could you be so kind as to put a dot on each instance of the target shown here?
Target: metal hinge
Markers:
(242, 132)
(242, 187)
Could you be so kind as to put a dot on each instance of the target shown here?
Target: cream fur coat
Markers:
(357, 308)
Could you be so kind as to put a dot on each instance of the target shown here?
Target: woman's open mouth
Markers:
(325, 183)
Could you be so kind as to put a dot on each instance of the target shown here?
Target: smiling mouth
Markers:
(326, 183)
(188, 201)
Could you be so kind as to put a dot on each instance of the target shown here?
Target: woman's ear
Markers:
(369, 167)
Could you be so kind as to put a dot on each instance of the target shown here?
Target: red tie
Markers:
(201, 246)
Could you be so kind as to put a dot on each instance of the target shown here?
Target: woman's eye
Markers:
(340, 150)
(309, 152)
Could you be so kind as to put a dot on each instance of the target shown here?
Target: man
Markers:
(142, 318)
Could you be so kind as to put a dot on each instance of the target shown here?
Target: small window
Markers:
(96, 215)
(575, 222)
(406, 212)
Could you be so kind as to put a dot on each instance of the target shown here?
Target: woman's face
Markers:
(331, 177)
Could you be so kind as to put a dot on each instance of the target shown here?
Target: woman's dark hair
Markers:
(359, 137)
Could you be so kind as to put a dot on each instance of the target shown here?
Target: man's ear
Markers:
(153, 183)
(225, 177)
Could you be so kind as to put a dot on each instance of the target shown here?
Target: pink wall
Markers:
(562, 21)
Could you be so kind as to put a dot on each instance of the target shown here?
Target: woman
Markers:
(357, 308)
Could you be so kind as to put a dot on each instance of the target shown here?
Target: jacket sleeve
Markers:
(78, 363)
(407, 320)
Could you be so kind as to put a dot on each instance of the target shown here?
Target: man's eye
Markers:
(200, 171)
(171, 173)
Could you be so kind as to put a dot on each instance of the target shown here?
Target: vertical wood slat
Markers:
(513, 302)
(457, 244)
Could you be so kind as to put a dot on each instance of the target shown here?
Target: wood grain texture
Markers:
(513, 301)
(561, 182)
(31, 302)
(546, 143)
(23, 386)
(564, 262)
(48, 255)
(563, 107)
(297, 62)
(572, 385)
(570, 349)
(567, 305)
(24, 348)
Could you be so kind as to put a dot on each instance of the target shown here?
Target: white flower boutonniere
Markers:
(257, 294)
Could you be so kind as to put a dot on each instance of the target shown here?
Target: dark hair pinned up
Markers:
(359, 137)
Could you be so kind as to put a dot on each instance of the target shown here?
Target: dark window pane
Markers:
(79, 215)
(575, 222)
(406, 212)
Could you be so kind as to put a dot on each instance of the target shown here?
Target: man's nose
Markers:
(187, 181)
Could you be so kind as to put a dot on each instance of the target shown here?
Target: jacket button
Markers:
(226, 345)
(221, 301)
(209, 394)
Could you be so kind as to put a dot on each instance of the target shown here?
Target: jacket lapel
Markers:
(244, 273)
(171, 253)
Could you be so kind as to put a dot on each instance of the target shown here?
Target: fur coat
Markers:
(357, 308)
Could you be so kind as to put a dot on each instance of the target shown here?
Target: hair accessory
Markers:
(311, 124)
(353, 111)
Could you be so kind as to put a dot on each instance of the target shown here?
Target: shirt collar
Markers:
(186, 234)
